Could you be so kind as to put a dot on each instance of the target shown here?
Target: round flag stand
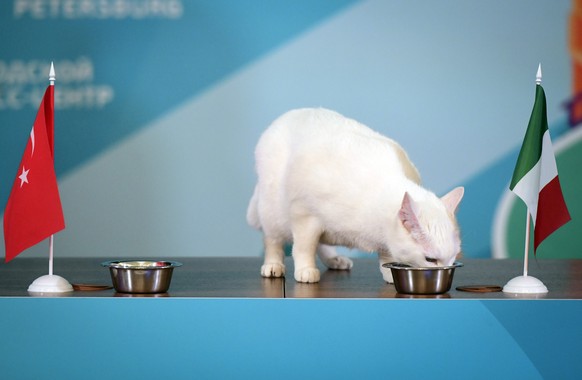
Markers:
(525, 285)
(50, 283)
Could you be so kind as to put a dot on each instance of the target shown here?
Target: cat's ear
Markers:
(407, 215)
(452, 199)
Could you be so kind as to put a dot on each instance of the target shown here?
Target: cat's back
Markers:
(319, 123)
(326, 136)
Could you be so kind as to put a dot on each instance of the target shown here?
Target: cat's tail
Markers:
(252, 210)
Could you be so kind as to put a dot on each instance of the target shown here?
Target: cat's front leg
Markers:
(384, 257)
(273, 265)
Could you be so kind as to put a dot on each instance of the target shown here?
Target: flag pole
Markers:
(51, 244)
(51, 283)
(52, 79)
(527, 284)
(527, 213)
(526, 244)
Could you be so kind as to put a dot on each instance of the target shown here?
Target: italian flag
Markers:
(535, 178)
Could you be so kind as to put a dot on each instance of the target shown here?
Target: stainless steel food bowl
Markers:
(429, 280)
(141, 276)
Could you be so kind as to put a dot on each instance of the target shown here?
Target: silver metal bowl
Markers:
(429, 280)
(141, 276)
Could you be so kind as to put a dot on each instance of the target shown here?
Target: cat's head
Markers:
(434, 238)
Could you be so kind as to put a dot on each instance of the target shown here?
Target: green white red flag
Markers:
(535, 178)
(33, 211)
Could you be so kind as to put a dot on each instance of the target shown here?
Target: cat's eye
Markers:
(431, 260)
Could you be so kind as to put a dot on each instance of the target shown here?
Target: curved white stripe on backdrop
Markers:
(437, 78)
(499, 235)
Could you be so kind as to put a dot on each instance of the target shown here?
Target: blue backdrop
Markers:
(159, 103)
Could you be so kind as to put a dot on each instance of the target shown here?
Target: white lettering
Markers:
(22, 7)
(36, 71)
(84, 97)
(22, 84)
(97, 9)
(94, 97)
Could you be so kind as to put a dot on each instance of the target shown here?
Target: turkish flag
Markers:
(33, 211)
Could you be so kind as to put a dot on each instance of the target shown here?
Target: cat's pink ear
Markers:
(408, 216)
(452, 199)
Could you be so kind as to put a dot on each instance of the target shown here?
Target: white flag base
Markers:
(50, 283)
(525, 284)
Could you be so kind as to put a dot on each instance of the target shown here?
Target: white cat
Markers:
(326, 180)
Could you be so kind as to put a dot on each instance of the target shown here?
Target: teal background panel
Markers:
(252, 338)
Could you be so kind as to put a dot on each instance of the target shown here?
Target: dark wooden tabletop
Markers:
(239, 277)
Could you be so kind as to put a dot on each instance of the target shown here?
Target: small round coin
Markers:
(480, 288)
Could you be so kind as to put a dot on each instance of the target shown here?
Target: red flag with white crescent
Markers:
(33, 211)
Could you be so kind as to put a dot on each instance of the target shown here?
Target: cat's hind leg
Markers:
(330, 258)
(306, 234)
(273, 265)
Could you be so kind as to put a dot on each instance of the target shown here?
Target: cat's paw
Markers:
(339, 263)
(387, 275)
(308, 274)
(273, 270)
